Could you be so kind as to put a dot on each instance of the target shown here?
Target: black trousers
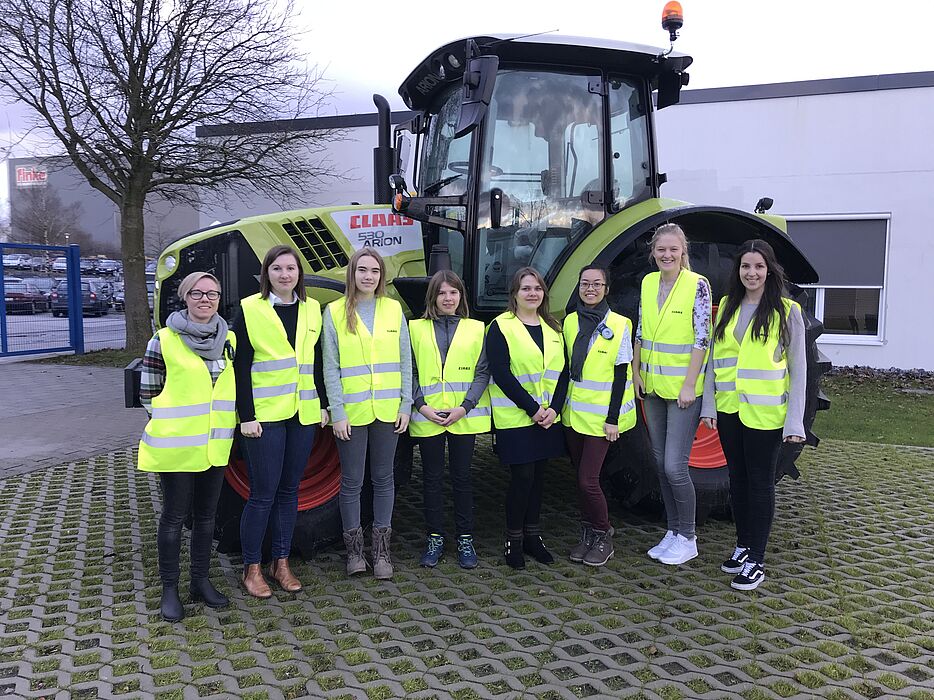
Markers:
(751, 457)
(460, 454)
(524, 498)
(184, 492)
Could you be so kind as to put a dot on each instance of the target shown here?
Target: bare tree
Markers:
(40, 216)
(122, 84)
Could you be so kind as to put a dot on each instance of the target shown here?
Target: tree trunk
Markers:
(137, 313)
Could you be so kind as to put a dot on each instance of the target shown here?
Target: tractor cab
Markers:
(524, 146)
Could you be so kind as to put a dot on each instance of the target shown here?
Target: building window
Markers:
(849, 254)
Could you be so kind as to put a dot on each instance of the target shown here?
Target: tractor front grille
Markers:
(316, 243)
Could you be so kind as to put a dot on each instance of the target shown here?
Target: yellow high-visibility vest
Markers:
(748, 379)
(588, 400)
(371, 369)
(283, 377)
(668, 335)
(444, 385)
(192, 424)
(536, 371)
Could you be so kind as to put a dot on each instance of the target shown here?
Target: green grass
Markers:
(96, 358)
(877, 408)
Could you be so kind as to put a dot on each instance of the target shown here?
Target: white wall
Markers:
(839, 154)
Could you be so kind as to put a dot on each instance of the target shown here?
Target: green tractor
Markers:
(536, 150)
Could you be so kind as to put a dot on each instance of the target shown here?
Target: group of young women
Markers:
(546, 390)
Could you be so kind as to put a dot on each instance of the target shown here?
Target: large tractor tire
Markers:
(629, 471)
(319, 521)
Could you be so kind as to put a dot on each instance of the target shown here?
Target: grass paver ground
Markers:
(847, 610)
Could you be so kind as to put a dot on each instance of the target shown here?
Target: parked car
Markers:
(119, 299)
(46, 285)
(38, 263)
(107, 267)
(95, 298)
(60, 265)
(23, 297)
(87, 266)
(17, 261)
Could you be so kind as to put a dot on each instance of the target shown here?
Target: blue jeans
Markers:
(276, 461)
(671, 431)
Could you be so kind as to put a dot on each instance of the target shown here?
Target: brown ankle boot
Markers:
(280, 572)
(254, 583)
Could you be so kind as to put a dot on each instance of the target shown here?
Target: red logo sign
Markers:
(30, 177)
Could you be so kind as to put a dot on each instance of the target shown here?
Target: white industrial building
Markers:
(848, 161)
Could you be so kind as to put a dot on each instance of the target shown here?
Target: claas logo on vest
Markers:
(371, 227)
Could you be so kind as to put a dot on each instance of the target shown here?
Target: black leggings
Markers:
(184, 492)
(524, 498)
(460, 453)
(751, 456)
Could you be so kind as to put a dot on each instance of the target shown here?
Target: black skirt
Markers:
(529, 444)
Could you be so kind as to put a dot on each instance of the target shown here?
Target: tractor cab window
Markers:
(542, 148)
(629, 144)
(444, 172)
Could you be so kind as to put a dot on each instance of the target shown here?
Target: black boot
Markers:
(171, 606)
(535, 548)
(202, 589)
(513, 553)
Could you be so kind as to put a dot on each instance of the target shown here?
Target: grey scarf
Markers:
(205, 339)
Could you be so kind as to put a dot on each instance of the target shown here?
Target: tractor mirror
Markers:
(496, 207)
(479, 79)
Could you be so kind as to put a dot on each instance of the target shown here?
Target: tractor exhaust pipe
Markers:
(383, 154)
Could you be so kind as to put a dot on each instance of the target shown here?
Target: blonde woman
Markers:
(670, 351)
(368, 374)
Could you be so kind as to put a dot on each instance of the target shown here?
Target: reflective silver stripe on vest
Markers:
(273, 365)
(307, 394)
(720, 363)
(763, 399)
(266, 392)
(588, 407)
(376, 395)
(222, 433)
(198, 409)
(667, 347)
(530, 378)
(552, 374)
(179, 441)
(761, 373)
(627, 407)
(306, 369)
(665, 370)
(503, 402)
(223, 405)
(439, 387)
(592, 385)
(725, 386)
(379, 367)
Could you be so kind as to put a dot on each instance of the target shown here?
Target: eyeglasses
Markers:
(198, 295)
(592, 285)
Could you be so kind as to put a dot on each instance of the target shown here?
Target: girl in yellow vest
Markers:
(368, 373)
(450, 379)
(758, 370)
(525, 351)
(279, 399)
(187, 387)
(670, 350)
(600, 404)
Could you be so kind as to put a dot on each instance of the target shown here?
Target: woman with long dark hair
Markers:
(758, 370)
(280, 389)
(525, 350)
(452, 406)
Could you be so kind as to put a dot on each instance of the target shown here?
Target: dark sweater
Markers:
(243, 361)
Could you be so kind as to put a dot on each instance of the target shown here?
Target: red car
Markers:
(23, 297)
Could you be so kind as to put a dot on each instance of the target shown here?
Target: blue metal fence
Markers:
(26, 269)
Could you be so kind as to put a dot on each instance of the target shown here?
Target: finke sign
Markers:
(29, 176)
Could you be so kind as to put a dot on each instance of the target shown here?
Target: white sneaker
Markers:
(681, 550)
(659, 549)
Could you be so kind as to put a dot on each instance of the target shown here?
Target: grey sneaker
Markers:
(382, 562)
(353, 540)
(579, 551)
(602, 549)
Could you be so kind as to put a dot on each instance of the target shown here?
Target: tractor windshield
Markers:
(544, 146)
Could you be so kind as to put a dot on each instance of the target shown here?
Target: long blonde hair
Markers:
(350, 296)
(543, 309)
(676, 231)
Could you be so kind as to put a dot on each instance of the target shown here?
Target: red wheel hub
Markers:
(706, 452)
(320, 482)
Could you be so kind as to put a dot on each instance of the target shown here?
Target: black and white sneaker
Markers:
(750, 577)
(734, 565)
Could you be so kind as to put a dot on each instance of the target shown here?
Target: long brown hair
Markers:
(771, 302)
(350, 295)
(434, 289)
(543, 309)
(265, 286)
(671, 230)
